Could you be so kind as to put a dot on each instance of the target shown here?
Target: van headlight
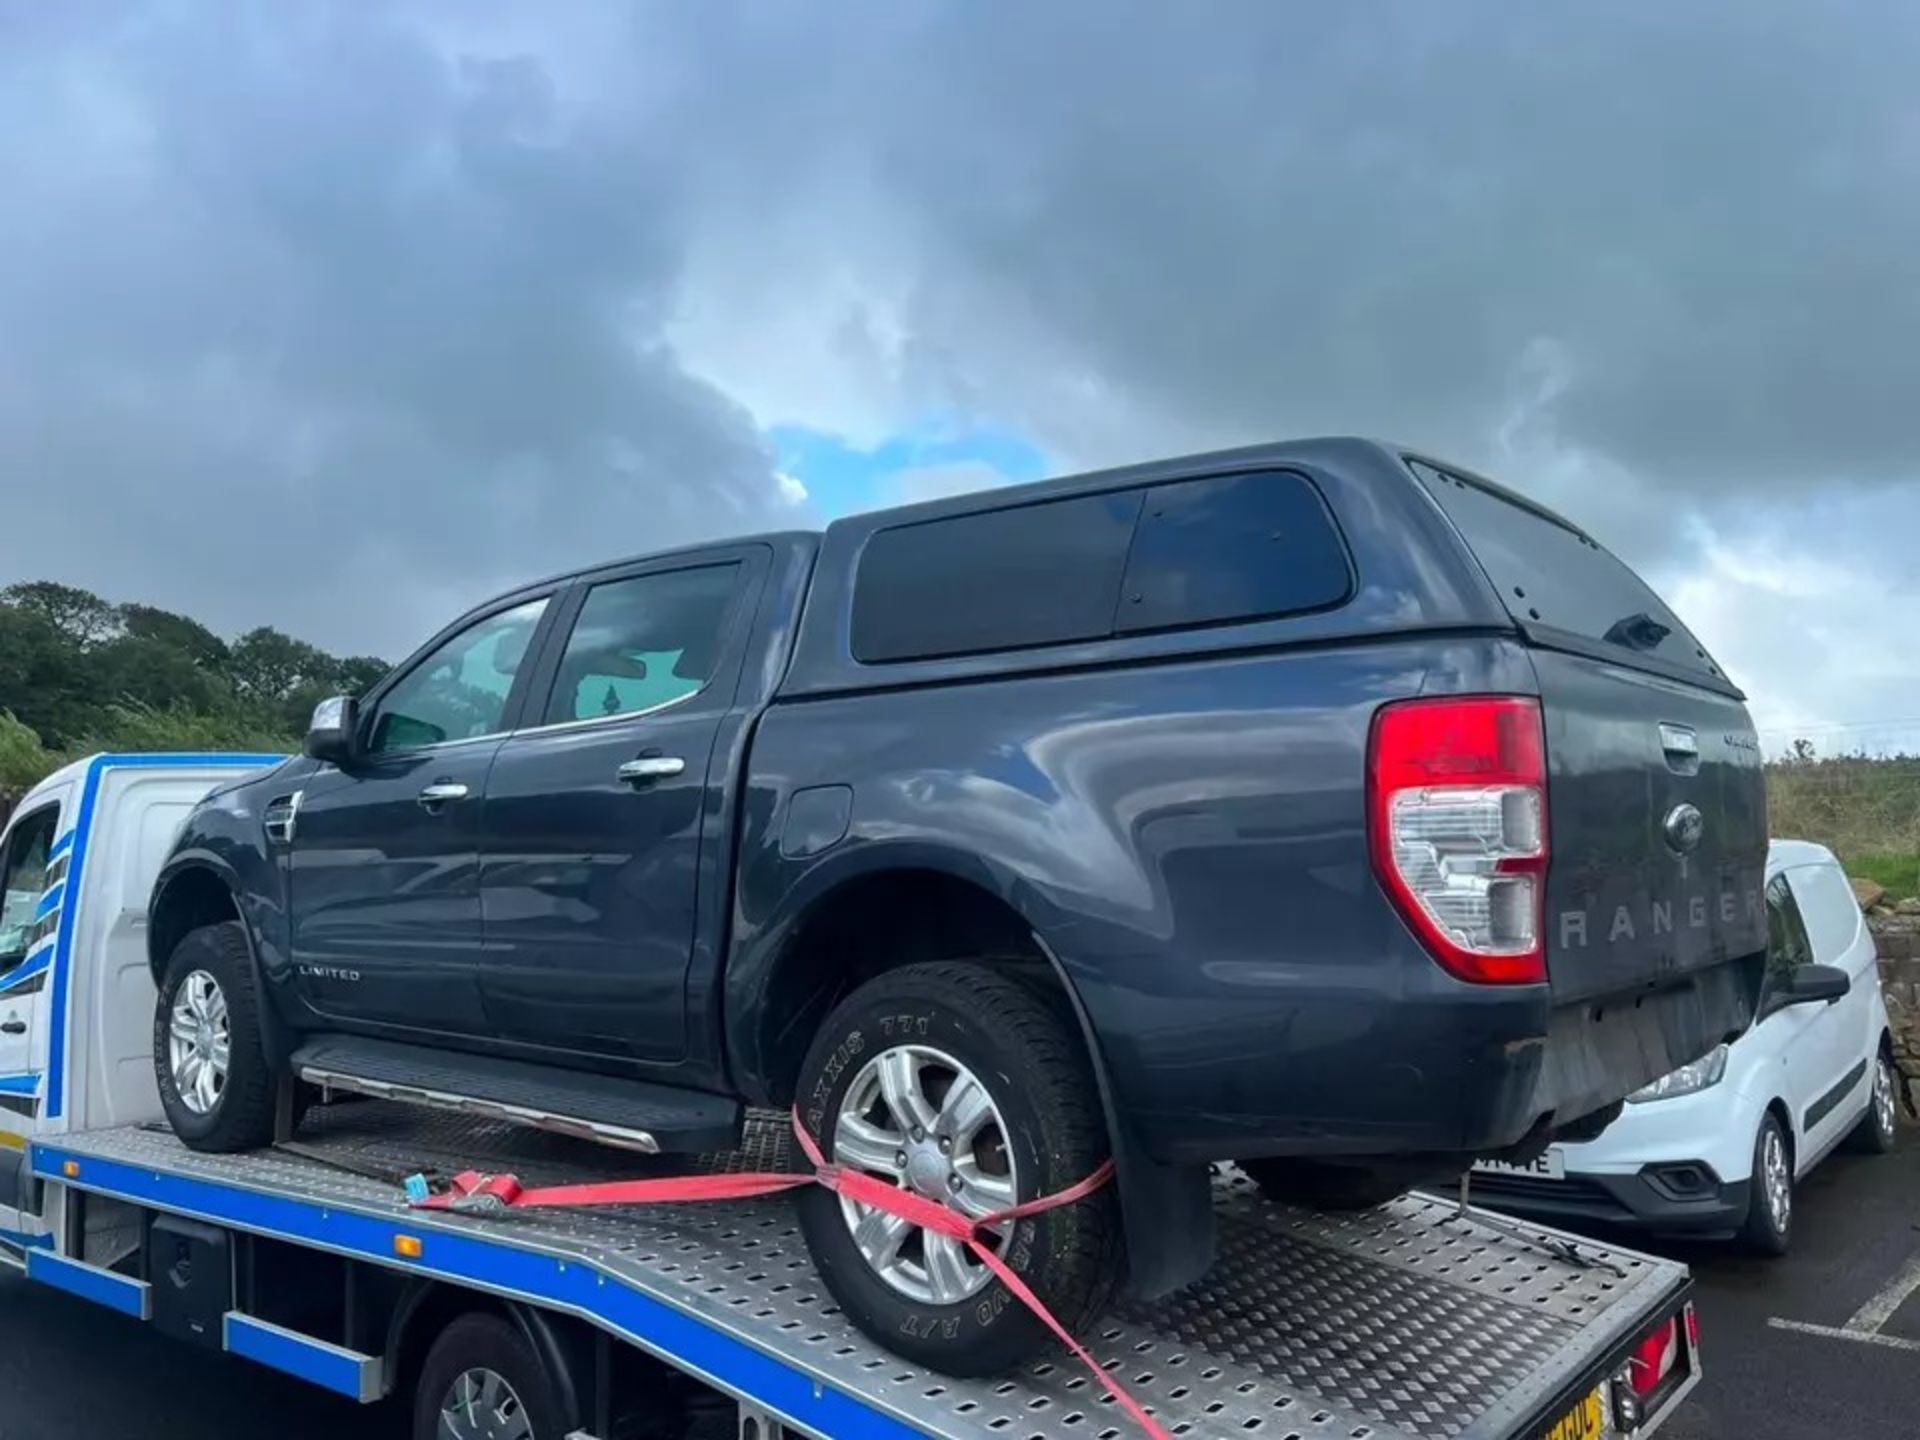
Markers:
(1700, 1075)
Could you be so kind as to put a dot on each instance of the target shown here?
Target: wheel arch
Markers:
(427, 1307)
(196, 891)
(189, 896)
(852, 922)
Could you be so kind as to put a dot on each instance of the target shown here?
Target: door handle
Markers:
(650, 767)
(440, 792)
(14, 1027)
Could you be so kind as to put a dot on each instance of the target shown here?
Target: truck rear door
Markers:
(1656, 803)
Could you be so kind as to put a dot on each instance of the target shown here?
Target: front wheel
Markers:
(215, 1084)
(1769, 1227)
(963, 1085)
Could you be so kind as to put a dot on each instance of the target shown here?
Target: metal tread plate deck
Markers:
(1405, 1323)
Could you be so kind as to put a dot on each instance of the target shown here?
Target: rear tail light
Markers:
(1653, 1358)
(1458, 827)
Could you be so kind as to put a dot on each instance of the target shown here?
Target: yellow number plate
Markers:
(1585, 1421)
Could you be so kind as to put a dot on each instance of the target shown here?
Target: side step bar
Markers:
(630, 1114)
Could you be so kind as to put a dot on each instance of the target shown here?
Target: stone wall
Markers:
(1896, 935)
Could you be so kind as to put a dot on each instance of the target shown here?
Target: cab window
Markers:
(23, 879)
(642, 643)
(460, 691)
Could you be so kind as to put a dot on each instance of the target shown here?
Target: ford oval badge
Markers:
(1684, 826)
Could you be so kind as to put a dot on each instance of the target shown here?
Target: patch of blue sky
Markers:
(842, 478)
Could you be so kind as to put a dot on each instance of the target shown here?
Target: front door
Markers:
(384, 887)
(1835, 1064)
(1815, 1052)
(594, 812)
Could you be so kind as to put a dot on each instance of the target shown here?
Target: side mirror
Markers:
(1816, 983)
(330, 733)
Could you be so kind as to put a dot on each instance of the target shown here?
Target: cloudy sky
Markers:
(338, 317)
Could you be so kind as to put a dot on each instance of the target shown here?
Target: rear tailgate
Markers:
(1658, 816)
(1656, 802)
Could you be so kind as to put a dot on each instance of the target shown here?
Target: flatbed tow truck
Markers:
(1421, 1320)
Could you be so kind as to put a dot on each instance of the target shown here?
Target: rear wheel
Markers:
(215, 1084)
(1769, 1227)
(482, 1381)
(962, 1085)
(1879, 1127)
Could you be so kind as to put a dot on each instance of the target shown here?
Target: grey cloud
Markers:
(325, 317)
(339, 316)
(1677, 241)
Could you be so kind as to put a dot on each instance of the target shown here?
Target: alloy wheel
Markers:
(1885, 1112)
(199, 1041)
(1776, 1180)
(919, 1118)
(481, 1405)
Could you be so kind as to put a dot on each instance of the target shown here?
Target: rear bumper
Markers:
(1442, 1069)
(1676, 1197)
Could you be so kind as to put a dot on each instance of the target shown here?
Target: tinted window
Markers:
(642, 643)
(999, 580)
(23, 878)
(1787, 946)
(1828, 907)
(1236, 547)
(460, 690)
(1549, 574)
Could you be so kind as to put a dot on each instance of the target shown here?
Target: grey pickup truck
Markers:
(1317, 806)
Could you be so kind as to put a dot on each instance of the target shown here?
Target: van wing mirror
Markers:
(1813, 984)
(331, 731)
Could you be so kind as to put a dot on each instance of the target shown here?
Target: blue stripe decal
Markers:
(22, 1240)
(60, 846)
(574, 1285)
(19, 1084)
(90, 1282)
(33, 965)
(50, 901)
(77, 838)
(345, 1372)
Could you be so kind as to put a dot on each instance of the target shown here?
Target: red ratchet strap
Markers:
(473, 1193)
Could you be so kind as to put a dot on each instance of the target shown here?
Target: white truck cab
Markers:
(76, 1040)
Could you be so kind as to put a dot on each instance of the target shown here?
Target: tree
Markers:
(149, 622)
(358, 674)
(78, 674)
(44, 676)
(140, 670)
(268, 667)
(82, 616)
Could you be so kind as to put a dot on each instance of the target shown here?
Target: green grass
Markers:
(1899, 873)
(1865, 809)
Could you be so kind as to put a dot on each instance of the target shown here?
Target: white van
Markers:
(69, 1060)
(1715, 1147)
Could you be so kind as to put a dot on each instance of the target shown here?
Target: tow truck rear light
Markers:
(1653, 1358)
(1457, 821)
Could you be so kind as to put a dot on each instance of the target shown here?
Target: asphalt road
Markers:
(69, 1369)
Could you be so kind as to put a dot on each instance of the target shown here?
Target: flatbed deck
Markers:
(1412, 1322)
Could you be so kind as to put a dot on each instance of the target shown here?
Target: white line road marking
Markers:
(1864, 1324)
(1877, 1311)
(1834, 1332)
